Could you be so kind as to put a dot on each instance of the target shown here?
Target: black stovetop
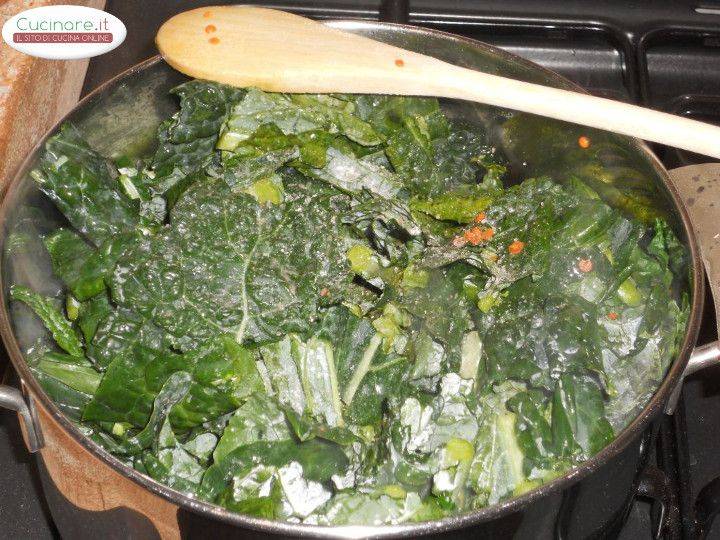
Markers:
(664, 54)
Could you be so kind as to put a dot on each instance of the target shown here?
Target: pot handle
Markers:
(13, 399)
(699, 189)
(703, 356)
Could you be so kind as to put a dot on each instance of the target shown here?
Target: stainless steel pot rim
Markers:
(653, 408)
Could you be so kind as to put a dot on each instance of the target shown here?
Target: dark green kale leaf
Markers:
(294, 114)
(540, 214)
(263, 506)
(650, 321)
(76, 263)
(75, 372)
(46, 308)
(170, 461)
(343, 360)
(69, 380)
(457, 162)
(268, 149)
(126, 392)
(90, 314)
(81, 183)
(70, 401)
(83, 268)
(223, 375)
(189, 137)
(303, 374)
(384, 378)
(667, 249)
(186, 145)
(535, 336)
(354, 175)
(236, 266)
(534, 434)
(390, 114)
(389, 226)
(173, 391)
(578, 417)
(118, 332)
(462, 204)
(412, 127)
(165, 469)
(268, 130)
(430, 153)
(439, 307)
(342, 115)
(497, 469)
(636, 376)
(244, 170)
(366, 374)
(258, 419)
(319, 459)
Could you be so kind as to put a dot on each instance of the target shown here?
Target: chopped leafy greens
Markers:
(328, 309)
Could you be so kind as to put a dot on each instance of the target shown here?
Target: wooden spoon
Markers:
(280, 52)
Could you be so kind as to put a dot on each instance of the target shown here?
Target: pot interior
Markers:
(126, 112)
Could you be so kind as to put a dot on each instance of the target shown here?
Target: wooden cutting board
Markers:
(34, 93)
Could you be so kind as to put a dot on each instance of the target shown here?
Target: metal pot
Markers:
(92, 494)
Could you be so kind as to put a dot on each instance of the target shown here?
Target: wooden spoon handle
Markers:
(584, 109)
(278, 51)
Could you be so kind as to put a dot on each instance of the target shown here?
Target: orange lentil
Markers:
(399, 62)
(613, 316)
(584, 142)
(585, 265)
(214, 40)
(207, 14)
(480, 217)
(476, 235)
(210, 28)
(516, 247)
